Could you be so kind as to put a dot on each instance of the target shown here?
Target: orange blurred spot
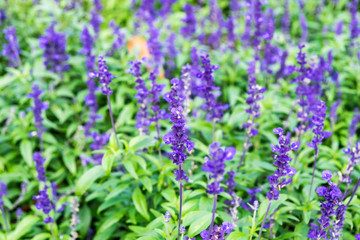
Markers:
(138, 45)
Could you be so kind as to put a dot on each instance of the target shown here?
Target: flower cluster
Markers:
(218, 232)
(185, 82)
(155, 46)
(39, 164)
(255, 94)
(354, 122)
(54, 45)
(190, 22)
(104, 76)
(317, 123)
(213, 109)
(354, 23)
(234, 203)
(37, 109)
(11, 48)
(282, 161)
(43, 203)
(357, 236)
(88, 43)
(354, 159)
(99, 140)
(142, 116)
(252, 200)
(3, 192)
(331, 195)
(95, 21)
(2, 17)
(90, 101)
(119, 40)
(177, 136)
(285, 20)
(155, 93)
(216, 166)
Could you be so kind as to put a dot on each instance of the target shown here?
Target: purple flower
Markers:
(190, 22)
(354, 23)
(177, 136)
(99, 140)
(354, 122)
(155, 93)
(332, 196)
(2, 17)
(255, 94)
(104, 76)
(354, 158)
(213, 109)
(252, 200)
(11, 48)
(155, 46)
(333, 109)
(339, 27)
(18, 213)
(218, 232)
(186, 86)
(37, 109)
(146, 11)
(54, 45)
(248, 20)
(90, 101)
(285, 20)
(43, 203)
(3, 192)
(39, 164)
(142, 116)
(98, 5)
(231, 37)
(88, 43)
(357, 236)
(119, 40)
(95, 21)
(166, 7)
(167, 217)
(215, 165)
(317, 123)
(278, 179)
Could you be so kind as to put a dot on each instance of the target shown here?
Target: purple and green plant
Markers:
(178, 137)
(3, 193)
(215, 166)
(11, 48)
(282, 161)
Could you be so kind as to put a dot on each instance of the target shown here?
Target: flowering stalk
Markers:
(177, 137)
(282, 162)
(354, 158)
(74, 218)
(332, 199)
(353, 126)
(105, 78)
(317, 121)
(216, 167)
(190, 22)
(119, 40)
(38, 108)
(3, 192)
(255, 94)
(11, 49)
(54, 45)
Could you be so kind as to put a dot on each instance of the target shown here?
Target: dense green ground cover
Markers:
(127, 195)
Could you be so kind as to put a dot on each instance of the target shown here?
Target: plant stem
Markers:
(253, 223)
(246, 145)
(52, 232)
(112, 120)
(5, 220)
(314, 168)
(354, 192)
(213, 216)
(158, 137)
(181, 200)
(263, 223)
(213, 130)
(345, 192)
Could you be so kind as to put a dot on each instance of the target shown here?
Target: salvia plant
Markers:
(152, 120)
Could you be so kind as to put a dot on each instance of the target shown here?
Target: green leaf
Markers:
(113, 219)
(42, 236)
(140, 142)
(147, 183)
(236, 236)
(201, 224)
(26, 151)
(140, 203)
(25, 225)
(69, 161)
(129, 166)
(88, 178)
(108, 161)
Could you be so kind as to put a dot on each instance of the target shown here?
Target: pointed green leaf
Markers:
(88, 178)
(140, 203)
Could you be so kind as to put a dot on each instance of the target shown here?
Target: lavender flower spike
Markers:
(11, 48)
(332, 196)
(43, 203)
(354, 24)
(190, 22)
(88, 43)
(255, 94)
(105, 79)
(357, 236)
(142, 116)
(3, 192)
(37, 109)
(54, 45)
(39, 164)
(177, 137)
(278, 180)
(216, 167)
(353, 126)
